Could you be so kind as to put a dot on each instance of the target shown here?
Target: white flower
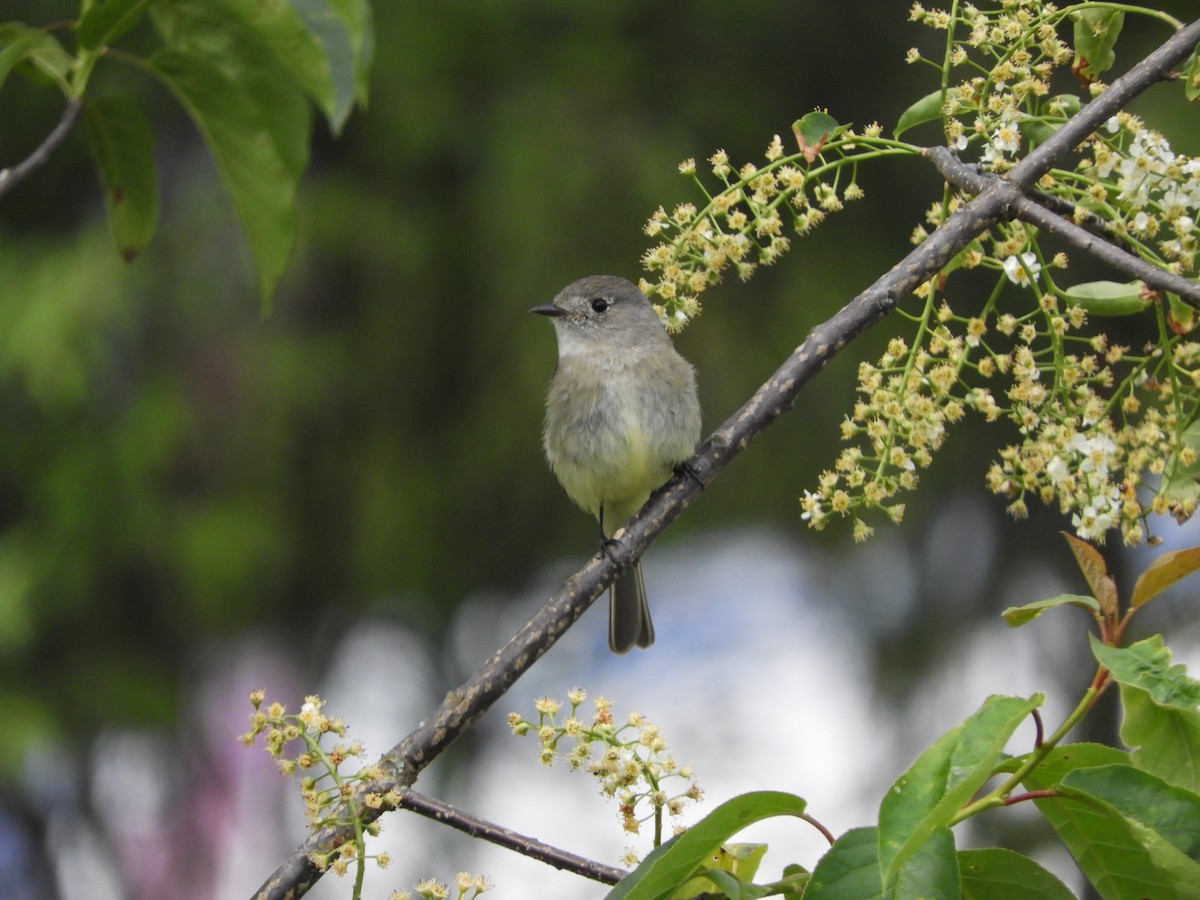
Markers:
(1112, 126)
(1058, 470)
(1024, 270)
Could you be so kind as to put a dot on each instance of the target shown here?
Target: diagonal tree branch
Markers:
(10, 178)
(465, 704)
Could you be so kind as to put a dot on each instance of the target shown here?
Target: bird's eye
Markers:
(600, 304)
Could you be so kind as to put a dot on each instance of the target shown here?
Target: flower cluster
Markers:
(1145, 191)
(629, 760)
(1105, 433)
(466, 885)
(1015, 49)
(747, 222)
(327, 791)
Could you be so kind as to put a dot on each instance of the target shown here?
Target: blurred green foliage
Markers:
(177, 469)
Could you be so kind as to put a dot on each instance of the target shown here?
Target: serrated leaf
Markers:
(1094, 569)
(1019, 615)
(1109, 848)
(1166, 739)
(1147, 665)
(1096, 32)
(1166, 569)
(1119, 855)
(1171, 811)
(927, 109)
(310, 40)
(849, 870)
(672, 864)
(944, 778)
(998, 874)
(1057, 764)
(104, 22)
(193, 29)
(253, 118)
(123, 147)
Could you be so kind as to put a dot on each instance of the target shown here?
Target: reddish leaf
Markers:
(1164, 572)
(1104, 589)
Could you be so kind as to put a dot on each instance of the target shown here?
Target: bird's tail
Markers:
(629, 622)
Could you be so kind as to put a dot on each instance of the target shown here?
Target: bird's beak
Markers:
(549, 309)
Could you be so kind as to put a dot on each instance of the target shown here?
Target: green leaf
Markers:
(1019, 615)
(253, 117)
(740, 861)
(1119, 855)
(40, 50)
(796, 878)
(341, 28)
(1181, 481)
(1147, 665)
(1108, 848)
(1181, 316)
(1165, 738)
(927, 109)
(1109, 298)
(1065, 759)
(16, 43)
(1191, 77)
(1166, 569)
(356, 16)
(813, 131)
(996, 874)
(669, 866)
(943, 779)
(123, 147)
(1096, 32)
(930, 872)
(1167, 809)
(849, 870)
(311, 41)
(705, 882)
(104, 22)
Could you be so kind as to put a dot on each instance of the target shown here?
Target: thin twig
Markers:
(968, 178)
(462, 706)
(35, 160)
(526, 846)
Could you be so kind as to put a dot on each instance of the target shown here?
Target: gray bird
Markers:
(621, 414)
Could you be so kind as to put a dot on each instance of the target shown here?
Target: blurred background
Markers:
(348, 496)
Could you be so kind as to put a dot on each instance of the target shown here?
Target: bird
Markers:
(622, 414)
